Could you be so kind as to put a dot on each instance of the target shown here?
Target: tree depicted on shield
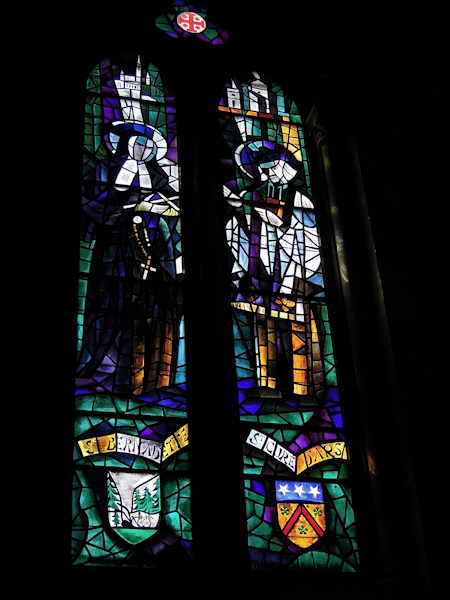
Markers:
(301, 511)
(134, 504)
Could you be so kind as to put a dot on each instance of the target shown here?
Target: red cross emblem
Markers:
(191, 22)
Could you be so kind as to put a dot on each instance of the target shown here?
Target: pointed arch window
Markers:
(298, 498)
(131, 487)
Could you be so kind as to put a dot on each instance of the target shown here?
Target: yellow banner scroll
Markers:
(175, 442)
(131, 444)
(300, 462)
(98, 445)
(320, 453)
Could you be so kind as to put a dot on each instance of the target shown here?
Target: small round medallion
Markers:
(191, 22)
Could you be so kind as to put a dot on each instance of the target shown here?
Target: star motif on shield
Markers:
(299, 489)
(283, 489)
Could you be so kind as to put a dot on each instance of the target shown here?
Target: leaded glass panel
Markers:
(131, 481)
(298, 498)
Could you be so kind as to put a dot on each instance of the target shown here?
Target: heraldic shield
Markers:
(301, 511)
(134, 504)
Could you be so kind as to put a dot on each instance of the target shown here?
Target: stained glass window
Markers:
(132, 475)
(298, 499)
(130, 481)
(238, 299)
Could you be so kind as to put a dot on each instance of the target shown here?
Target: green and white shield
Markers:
(134, 504)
